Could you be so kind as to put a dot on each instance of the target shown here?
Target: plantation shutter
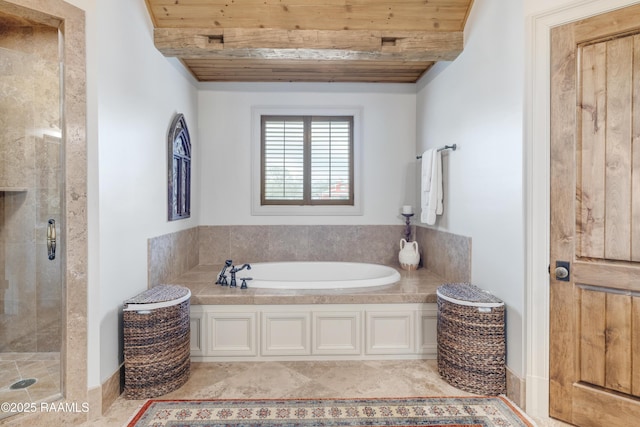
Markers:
(330, 159)
(283, 159)
(307, 160)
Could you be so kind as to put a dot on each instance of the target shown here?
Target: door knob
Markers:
(562, 270)
(561, 273)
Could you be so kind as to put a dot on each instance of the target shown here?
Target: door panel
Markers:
(618, 149)
(595, 220)
(592, 340)
(606, 342)
(606, 96)
(594, 81)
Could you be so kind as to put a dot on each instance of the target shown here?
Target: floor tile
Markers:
(325, 379)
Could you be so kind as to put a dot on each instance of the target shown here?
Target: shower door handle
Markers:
(51, 239)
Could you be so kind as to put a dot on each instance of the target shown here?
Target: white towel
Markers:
(431, 186)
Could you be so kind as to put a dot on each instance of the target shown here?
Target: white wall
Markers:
(225, 135)
(476, 102)
(133, 94)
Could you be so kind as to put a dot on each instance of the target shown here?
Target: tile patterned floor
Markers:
(301, 380)
(44, 367)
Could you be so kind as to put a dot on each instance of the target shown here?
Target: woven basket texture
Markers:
(156, 351)
(471, 344)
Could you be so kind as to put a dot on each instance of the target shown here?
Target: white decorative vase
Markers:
(409, 256)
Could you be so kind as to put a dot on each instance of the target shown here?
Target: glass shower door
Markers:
(31, 170)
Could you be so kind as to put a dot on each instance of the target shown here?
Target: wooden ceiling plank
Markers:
(204, 63)
(353, 68)
(291, 74)
(310, 79)
(418, 16)
(254, 3)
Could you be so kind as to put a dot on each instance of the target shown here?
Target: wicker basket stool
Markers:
(471, 339)
(156, 341)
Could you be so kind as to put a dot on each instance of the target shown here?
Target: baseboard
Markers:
(516, 390)
(112, 388)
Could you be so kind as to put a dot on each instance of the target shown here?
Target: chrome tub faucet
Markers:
(233, 272)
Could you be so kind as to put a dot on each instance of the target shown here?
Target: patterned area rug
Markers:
(424, 411)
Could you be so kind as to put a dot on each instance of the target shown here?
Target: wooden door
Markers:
(595, 220)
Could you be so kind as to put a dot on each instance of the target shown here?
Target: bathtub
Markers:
(319, 275)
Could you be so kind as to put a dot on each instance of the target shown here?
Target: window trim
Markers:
(256, 161)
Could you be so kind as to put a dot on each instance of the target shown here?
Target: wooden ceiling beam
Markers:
(263, 43)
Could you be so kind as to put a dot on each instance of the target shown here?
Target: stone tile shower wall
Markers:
(30, 298)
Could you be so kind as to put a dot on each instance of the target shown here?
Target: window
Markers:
(307, 160)
(278, 205)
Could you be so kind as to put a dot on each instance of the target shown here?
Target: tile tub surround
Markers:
(446, 254)
(171, 255)
(262, 243)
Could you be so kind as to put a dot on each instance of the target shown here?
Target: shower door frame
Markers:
(70, 22)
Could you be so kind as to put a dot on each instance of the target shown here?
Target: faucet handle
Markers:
(244, 282)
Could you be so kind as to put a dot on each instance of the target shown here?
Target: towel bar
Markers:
(446, 147)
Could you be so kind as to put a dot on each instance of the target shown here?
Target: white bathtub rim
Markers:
(384, 275)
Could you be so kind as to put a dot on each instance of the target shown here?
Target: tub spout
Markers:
(247, 266)
(233, 272)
